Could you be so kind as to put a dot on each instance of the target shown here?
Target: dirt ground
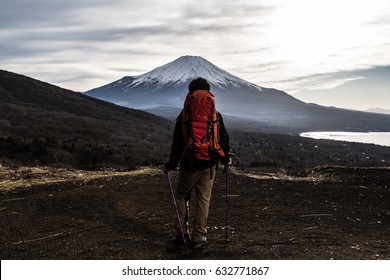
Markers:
(332, 213)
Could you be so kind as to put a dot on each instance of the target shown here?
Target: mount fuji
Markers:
(162, 91)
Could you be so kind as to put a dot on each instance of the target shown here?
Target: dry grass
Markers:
(23, 177)
(282, 175)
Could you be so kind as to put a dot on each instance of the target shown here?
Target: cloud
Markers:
(360, 89)
(134, 30)
(39, 13)
(326, 81)
(320, 81)
(103, 40)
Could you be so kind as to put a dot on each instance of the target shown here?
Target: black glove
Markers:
(169, 166)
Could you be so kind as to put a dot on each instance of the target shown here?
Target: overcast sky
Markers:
(293, 45)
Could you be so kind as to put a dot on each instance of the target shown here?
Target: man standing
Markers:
(200, 141)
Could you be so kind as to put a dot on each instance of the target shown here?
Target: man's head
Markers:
(199, 84)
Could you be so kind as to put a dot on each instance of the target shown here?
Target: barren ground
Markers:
(332, 213)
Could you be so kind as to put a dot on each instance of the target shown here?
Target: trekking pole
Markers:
(177, 211)
(227, 179)
(227, 203)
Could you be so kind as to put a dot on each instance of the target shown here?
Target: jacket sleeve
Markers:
(177, 145)
(224, 138)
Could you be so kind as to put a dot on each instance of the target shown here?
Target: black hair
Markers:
(199, 84)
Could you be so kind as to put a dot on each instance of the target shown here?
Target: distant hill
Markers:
(44, 124)
(379, 110)
(162, 91)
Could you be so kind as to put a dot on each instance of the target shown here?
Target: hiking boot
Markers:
(200, 245)
(178, 242)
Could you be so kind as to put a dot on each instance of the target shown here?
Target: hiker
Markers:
(200, 141)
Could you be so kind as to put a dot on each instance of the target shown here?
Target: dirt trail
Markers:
(336, 213)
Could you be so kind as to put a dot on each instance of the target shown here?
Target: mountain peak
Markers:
(184, 69)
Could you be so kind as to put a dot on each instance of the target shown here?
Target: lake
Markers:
(379, 138)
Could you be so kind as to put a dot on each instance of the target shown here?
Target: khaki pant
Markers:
(202, 181)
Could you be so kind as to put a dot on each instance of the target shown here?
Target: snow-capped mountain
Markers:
(167, 85)
(162, 91)
(186, 68)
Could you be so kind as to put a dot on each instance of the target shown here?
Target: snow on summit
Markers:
(186, 68)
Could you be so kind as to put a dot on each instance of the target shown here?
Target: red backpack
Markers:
(200, 126)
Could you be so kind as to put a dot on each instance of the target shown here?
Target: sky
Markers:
(309, 49)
